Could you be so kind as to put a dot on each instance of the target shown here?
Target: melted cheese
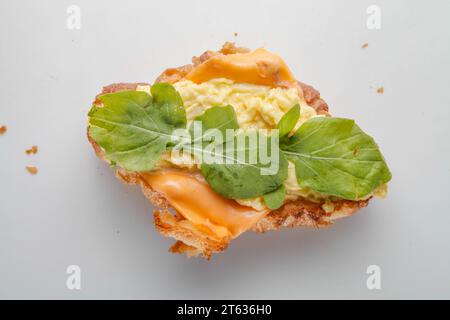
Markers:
(257, 67)
(203, 207)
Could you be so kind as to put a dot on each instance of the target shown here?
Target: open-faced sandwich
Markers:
(231, 143)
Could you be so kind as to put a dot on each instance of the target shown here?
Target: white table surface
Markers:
(75, 212)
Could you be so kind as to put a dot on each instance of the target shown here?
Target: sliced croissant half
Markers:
(332, 168)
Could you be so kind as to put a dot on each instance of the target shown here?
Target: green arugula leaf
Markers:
(132, 129)
(220, 118)
(244, 178)
(169, 102)
(288, 121)
(335, 157)
(275, 199)
(236, 173)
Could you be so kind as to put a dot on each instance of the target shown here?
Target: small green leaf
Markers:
(169, 101)
(220, 118)
(244, 178)
(236, 173)
(288, 121)
(275, 199)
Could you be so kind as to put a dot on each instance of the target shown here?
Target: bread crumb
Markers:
(32, 150)
(380, 90)
(32, 169)
(365, 45)
(3, 129)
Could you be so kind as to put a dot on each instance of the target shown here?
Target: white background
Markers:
(76, 212)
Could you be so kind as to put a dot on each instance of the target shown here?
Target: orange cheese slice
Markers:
(203, 207)
(259, 67)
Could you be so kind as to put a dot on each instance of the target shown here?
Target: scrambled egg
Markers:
(256, 106)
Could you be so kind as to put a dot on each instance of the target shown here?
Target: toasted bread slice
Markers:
(191, 240)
